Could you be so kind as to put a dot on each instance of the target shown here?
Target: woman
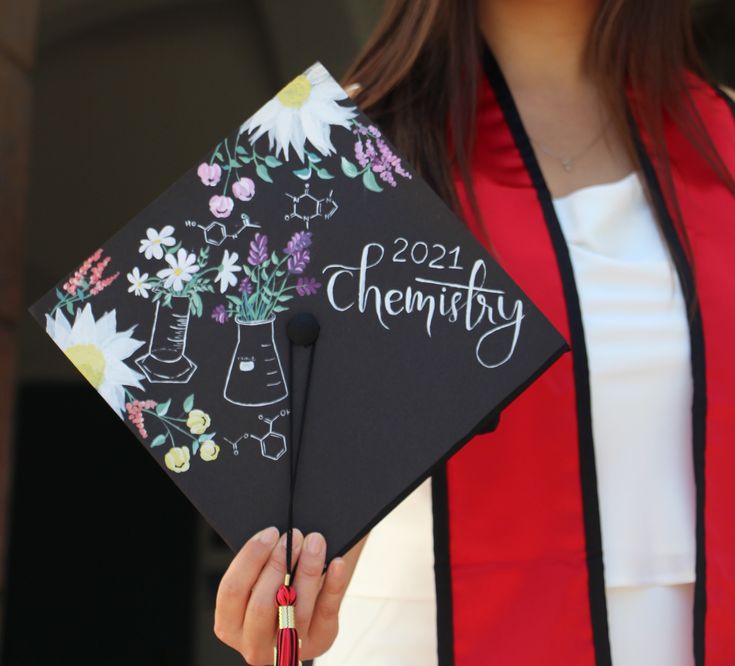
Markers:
(580, 143)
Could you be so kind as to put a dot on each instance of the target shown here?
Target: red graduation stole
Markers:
(518, 553)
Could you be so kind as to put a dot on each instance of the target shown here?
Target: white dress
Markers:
(637, 340)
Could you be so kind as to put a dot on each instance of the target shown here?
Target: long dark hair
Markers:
(419, 77)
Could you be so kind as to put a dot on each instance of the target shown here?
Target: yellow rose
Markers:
(208, 450)
(177, 459)
(198, 421)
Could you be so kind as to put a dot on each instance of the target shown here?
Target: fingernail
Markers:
(268, 536)
(314, 543)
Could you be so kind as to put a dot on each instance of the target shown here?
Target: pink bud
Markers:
(221, 206)
(209, 174)
(244, 189)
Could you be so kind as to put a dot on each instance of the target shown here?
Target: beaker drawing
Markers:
(166, 361)
(255, 377)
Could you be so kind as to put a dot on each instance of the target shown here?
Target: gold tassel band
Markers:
(286, 617)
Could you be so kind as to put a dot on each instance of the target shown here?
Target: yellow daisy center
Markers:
(157, 241)
(178, 271)
(294, 94)
(90, 361)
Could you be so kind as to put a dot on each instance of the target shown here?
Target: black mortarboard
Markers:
(299, 288)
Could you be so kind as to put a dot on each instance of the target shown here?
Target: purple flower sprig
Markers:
(374, 157)
(271, 279)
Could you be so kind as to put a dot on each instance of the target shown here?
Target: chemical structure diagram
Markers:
(272, 443)
(306, 206)
(216, 233)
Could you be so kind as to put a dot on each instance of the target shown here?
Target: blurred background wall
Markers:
(109, 101)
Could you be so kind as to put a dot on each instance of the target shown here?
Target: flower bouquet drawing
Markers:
(177, 291)
(270, 280)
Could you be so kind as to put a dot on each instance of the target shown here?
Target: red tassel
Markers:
(286, 652)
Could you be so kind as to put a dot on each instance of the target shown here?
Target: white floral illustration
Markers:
(306, 108)
(181, 269)
(138, 284)
(226, 274)
(152, 245)
(97, 349)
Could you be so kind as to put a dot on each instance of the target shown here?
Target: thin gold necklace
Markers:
(567, 163)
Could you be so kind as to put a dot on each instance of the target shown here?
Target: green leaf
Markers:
(285, 297)
(218, 155)
(194, 447)
(240, 150)
(59, 295)
(274, 257)
(280, 273)
(368, 180)
(279, 308)
(247, 270)
(196, 302)
(324, 174)
(246, 160)
(162, 407)
(234, 164)
(313, 157)
(227, 167)
(233, 299)
(272, 161)
(304, 174)
(348, 168)
(206, 436)
(158, 440)
(263, 174)
(70, 308)
(189, 402)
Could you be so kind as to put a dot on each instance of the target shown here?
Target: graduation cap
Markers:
(298, 329)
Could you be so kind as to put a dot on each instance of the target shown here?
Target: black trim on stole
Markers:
(588, 471)
(699, 402)
(442, 571)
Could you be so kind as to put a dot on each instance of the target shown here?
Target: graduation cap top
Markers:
(181, 322)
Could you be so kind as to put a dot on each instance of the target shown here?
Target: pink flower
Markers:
(209, 174)
(244, 189)
(221, 206)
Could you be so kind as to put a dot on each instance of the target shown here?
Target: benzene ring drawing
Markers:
(272, 443)
(216, 233)
(306, 206)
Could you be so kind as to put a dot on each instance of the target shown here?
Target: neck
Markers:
(538, 43)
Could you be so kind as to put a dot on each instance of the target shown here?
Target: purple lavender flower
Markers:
(373, 152)
(298, 261)
(258, 249)
(299, 241)
(307, 286)
(219, 314)
(246, 286)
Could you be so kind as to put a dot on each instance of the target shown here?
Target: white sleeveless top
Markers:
(637, 339)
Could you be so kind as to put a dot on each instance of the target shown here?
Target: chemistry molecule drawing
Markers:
(306, 206)
(216, 233)
(272, 443)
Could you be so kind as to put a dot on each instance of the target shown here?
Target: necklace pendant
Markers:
(567, 165)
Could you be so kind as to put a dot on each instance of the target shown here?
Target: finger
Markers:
(261, 613)
(324, 619)
(308, 578)
(236, 584)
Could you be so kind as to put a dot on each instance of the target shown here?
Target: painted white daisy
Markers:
(304, 109)
(226, 274)
(152, 245)
(97, 349)
(138, 284)
(181, 269)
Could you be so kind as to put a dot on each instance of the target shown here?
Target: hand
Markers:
(246, 616)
